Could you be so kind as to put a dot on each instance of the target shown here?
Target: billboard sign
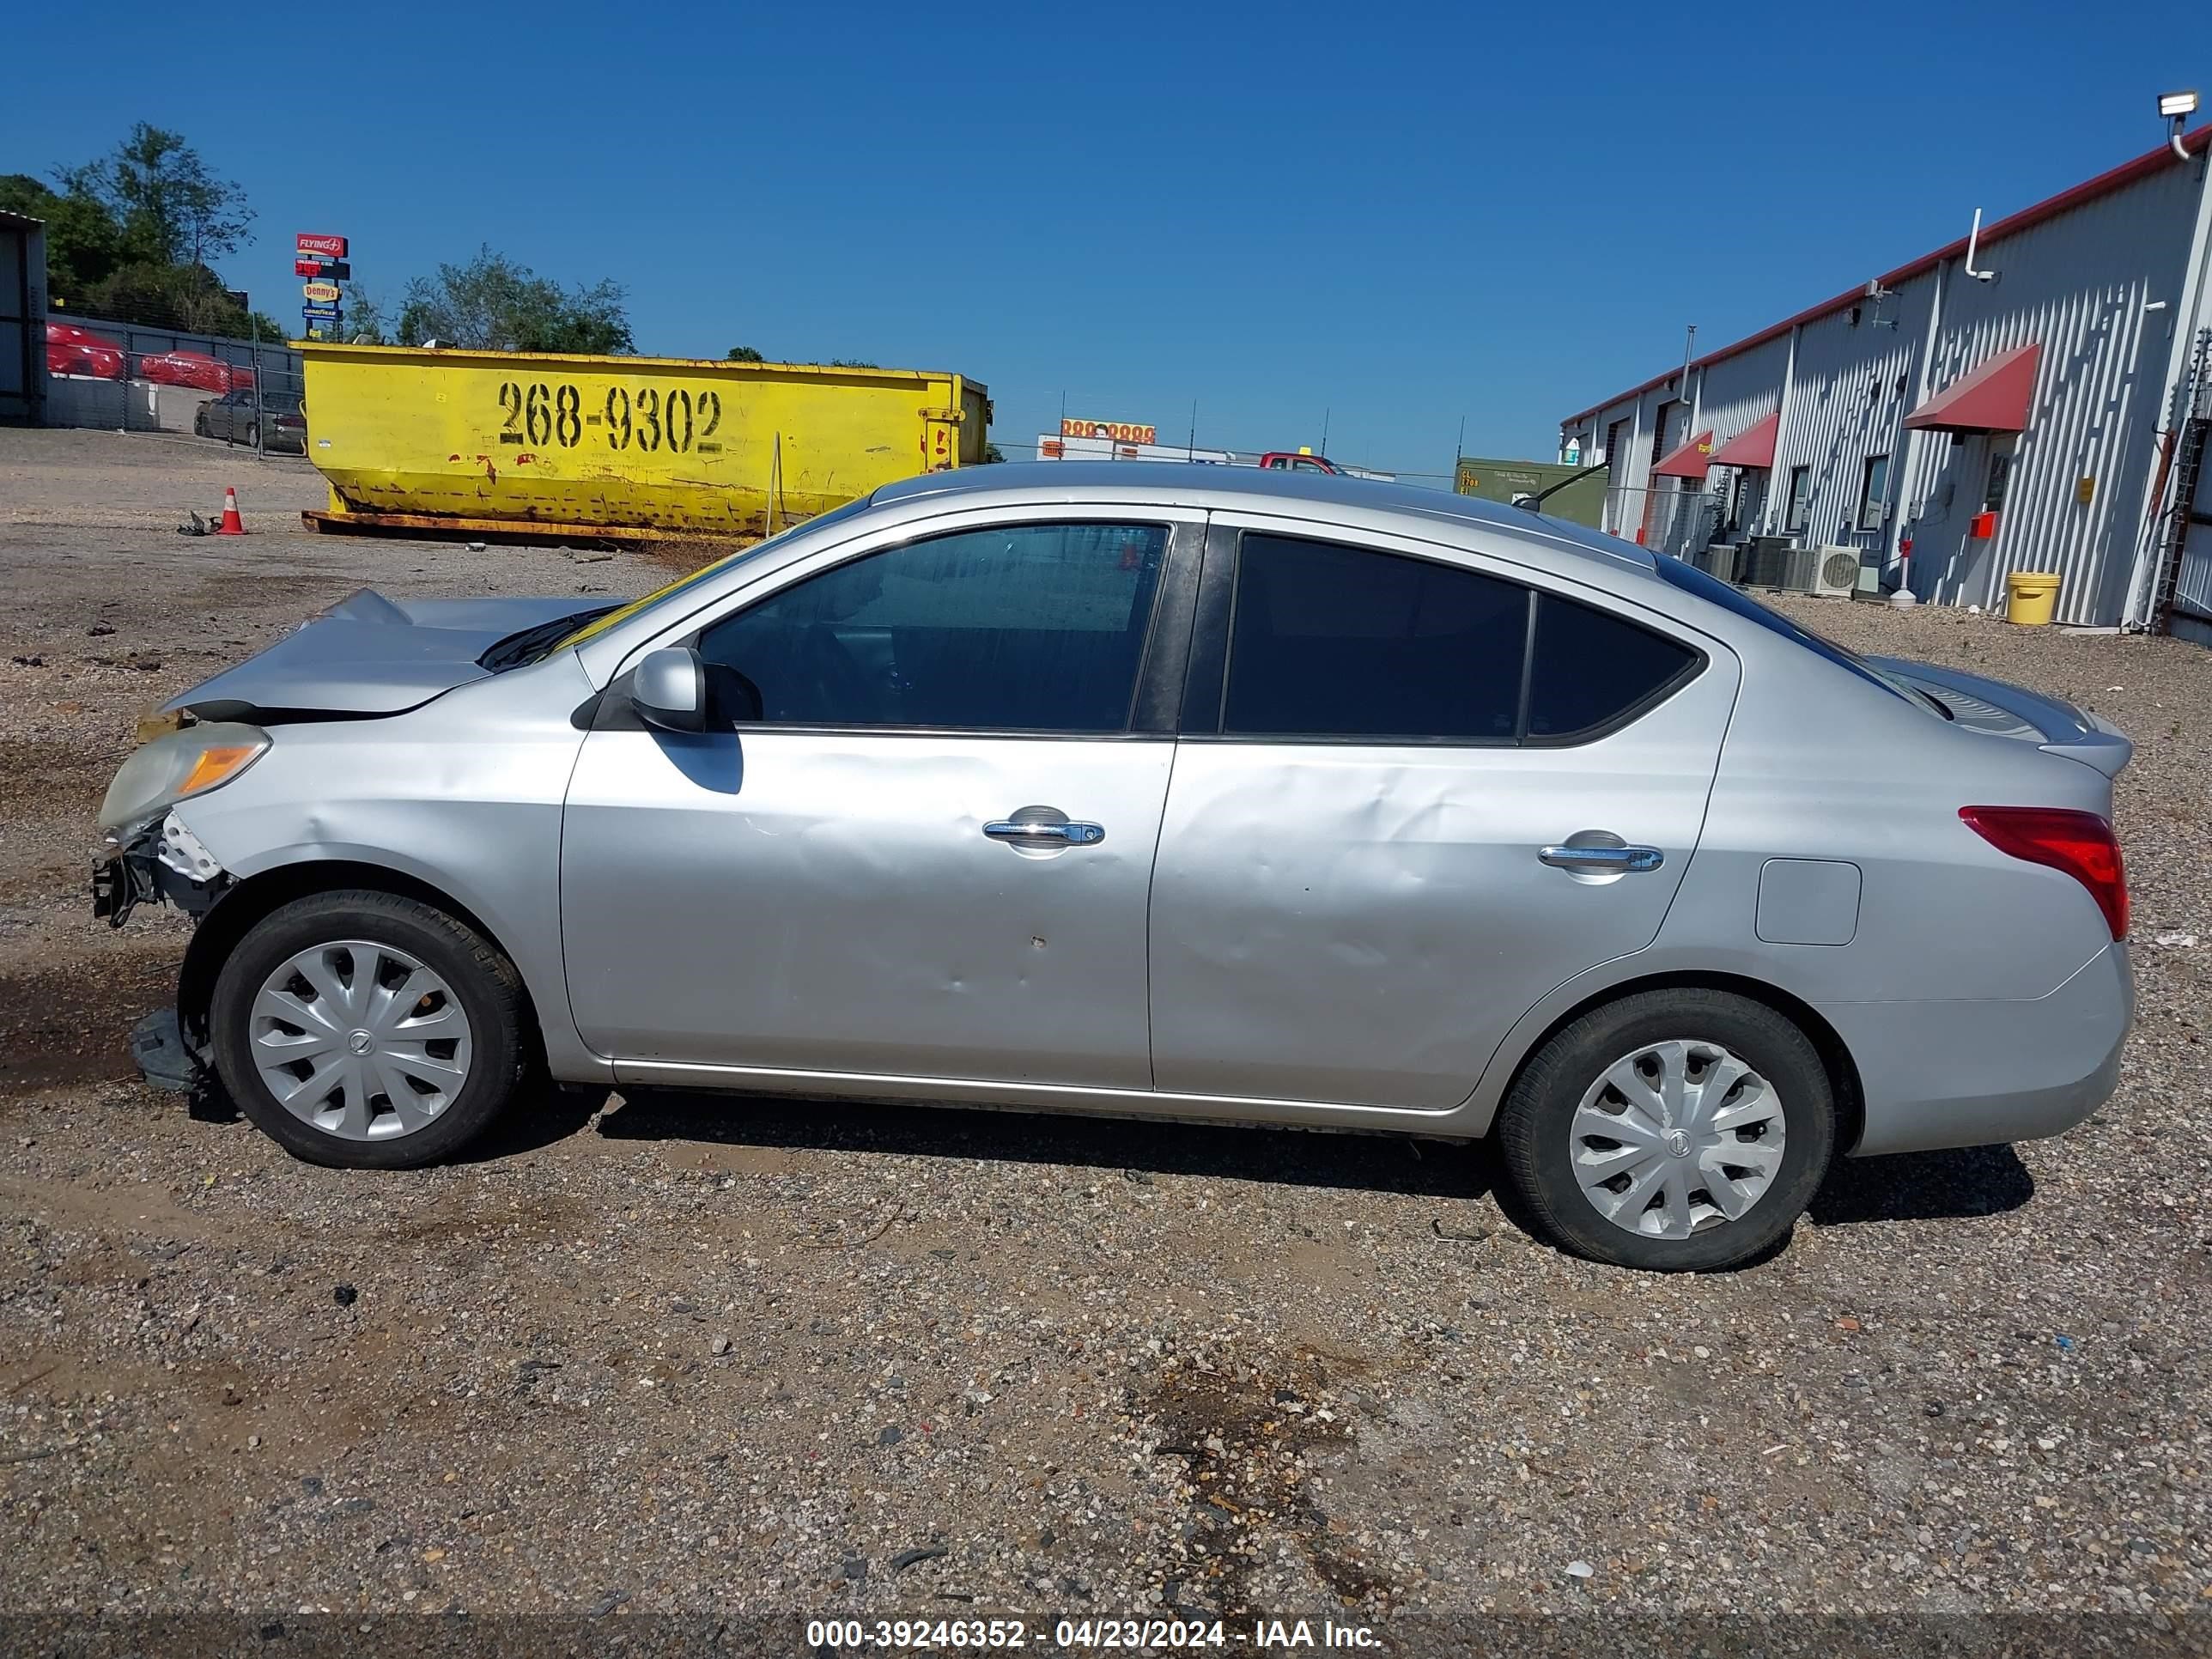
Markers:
(1120, 432)
(324, 293)
(311, 245)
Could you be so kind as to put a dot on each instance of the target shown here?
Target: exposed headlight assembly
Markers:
(175, 768)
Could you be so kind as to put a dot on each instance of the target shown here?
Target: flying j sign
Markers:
(311, 245)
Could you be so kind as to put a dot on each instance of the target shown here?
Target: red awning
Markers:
(1992, 397)
(1753, 446)
(1690, 461)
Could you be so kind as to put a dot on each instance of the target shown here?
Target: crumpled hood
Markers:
(2003, 709)
(369, 655)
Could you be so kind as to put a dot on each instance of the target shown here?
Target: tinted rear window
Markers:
(1691, 579)
(1593, 668)
(1329, 641)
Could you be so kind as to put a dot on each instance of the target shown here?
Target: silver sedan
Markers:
(1159, 792)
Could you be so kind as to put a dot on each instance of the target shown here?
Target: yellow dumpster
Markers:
(2030, 597)
(624, 446)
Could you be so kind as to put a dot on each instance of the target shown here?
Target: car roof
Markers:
(1349, 501)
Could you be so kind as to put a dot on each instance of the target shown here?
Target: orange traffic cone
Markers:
(232, 524)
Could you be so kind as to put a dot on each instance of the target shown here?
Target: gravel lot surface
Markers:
(663, 1356)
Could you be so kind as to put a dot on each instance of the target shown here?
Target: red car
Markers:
(193, 368)
(74, 350)
(1281, 460)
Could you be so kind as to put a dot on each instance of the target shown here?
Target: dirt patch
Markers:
(42, 775)
(1246, 1433)
(71, 1022)
(682, 557)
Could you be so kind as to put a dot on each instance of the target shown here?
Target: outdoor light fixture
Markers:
(2177, 107)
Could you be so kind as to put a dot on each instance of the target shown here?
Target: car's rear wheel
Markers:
(368, 1031)
(252, 435)
(1673, 1130)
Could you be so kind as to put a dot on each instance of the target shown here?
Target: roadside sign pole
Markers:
(260, 438)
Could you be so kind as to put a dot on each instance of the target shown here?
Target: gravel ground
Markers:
(753, 1358)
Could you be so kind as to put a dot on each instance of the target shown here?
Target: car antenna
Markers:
(1536, 504)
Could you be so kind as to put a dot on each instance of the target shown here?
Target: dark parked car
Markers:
(282, 424)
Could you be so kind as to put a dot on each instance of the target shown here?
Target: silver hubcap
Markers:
(362, 1041)
(1676, 1137)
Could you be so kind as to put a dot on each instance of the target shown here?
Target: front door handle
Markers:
(1602, 860)
(1070, 834)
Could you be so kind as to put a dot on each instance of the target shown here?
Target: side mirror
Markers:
(668, 689)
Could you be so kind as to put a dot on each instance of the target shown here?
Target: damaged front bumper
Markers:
(160, 860)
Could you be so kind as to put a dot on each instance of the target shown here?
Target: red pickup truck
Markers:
(1304, 461)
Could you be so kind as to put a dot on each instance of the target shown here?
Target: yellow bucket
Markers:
(2030, 597)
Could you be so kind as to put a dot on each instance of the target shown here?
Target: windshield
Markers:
(600, 623)
(1691, 579)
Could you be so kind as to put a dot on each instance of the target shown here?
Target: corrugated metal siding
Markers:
(1854, 385)
(2192, 587)
(2077, 285)
(1737, 391)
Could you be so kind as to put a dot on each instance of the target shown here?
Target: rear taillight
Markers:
(2079, 843)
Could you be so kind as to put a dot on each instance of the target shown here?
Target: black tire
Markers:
(1534, 1126)
(490, 990)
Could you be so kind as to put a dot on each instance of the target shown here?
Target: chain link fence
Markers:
(122, 378)
(1664, 519)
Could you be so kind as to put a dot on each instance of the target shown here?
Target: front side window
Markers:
(1873, 493)
(1801, 501)
(1032, 627)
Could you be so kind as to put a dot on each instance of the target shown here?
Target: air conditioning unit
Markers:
(1718, 559)
(1830, 573)
(1765, 562)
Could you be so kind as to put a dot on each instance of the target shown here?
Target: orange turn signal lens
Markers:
(217, 765)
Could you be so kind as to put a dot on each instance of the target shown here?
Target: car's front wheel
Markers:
(366, 1031)
(1672, 1130)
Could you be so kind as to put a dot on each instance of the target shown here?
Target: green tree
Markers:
(170, 209)
(494, 304)
(744, 355)
(188, 298)
(364, 317)
(992, 452)
(84, 243)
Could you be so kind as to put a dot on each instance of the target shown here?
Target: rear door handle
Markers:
(1072, 834)
(1603, 861)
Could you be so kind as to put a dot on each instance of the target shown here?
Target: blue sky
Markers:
(1399, 216)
